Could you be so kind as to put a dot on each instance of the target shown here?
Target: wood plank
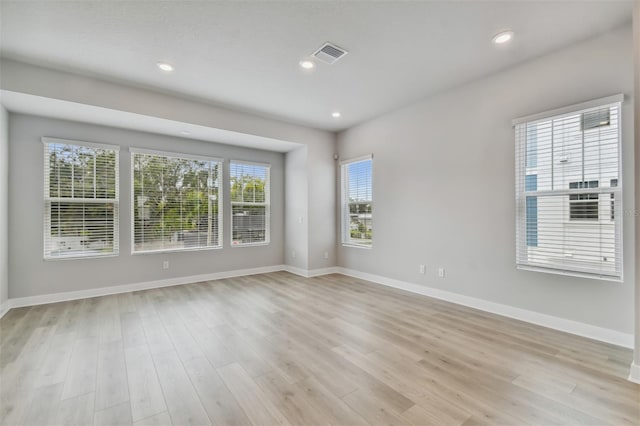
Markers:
(181, 398)
(76, 411)
(117, 415)
(112, 387)
(251, 398)
(290, 401)
(81, 375)
(162, 419)
(221, 406)
(144, 388)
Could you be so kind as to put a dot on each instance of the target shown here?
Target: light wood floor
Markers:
(277, 349)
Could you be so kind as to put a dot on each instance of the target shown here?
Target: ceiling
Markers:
(245, 55)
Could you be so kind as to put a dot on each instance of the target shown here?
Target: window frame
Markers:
(47, 199)
(345, 210)
(181, 156)
(581, 204)
(266, 204)
(521, 194)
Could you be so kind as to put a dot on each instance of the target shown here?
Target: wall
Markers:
(4, 207)
(45, 82)
(444, 190)
(636, 49)
(30, 275)
(296, 209)
(322, 196)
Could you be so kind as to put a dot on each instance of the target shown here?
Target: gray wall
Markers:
(296, 209)
(4, 205)
(322, 196)
(30, 275)
(444, 191)
(319, 220)
(636, 55)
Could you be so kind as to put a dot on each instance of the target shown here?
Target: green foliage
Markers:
(173, 195)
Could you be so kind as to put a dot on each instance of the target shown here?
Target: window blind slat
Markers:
(176, 202)
(81, 199)
(569, 193)
(357, 202)
(250, 203)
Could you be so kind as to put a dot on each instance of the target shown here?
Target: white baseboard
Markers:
(104, 291)
(4, 308)
(634, 373)
(309, 273)
(296, 271)
(569, 326)
(561, 324)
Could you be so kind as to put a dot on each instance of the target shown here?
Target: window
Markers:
(80, 199)
(583, 206)
(176, 202)
(250, 203)
(568, 191)
(357, 201)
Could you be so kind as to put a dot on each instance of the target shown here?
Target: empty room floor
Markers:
(279, 349)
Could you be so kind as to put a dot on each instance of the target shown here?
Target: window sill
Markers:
(250, 245)
(93, 256)
(610, 278)
(359, 246)
(145, 252)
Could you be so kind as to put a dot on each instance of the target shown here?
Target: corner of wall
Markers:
(4, 208)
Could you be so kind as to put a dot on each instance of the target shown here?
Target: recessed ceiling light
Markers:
(165, 66)
(307, 65)
(336, 114)
(502, 37)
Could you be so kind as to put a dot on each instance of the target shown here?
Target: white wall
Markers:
(322, 198)
(444, 190)
(30, 275)
(319, 221)
(296, 209)
(4, 206)
(636, 50)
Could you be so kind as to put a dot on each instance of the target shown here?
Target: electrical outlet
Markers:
(326, 255)
(165, 264)
(441, 272)
(293, 254)
(422, 269)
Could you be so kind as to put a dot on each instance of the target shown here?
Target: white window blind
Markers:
(569, 192)
(357, 202)
(176, 202)
(250, 203)
(80, 199)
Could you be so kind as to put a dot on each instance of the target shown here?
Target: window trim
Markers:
(181, 156)
(344, 209)
(558, 113)
(46, 198)
(267, 204)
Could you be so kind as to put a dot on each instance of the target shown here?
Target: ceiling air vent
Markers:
(329, 53)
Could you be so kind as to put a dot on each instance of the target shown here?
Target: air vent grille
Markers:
(329, 53)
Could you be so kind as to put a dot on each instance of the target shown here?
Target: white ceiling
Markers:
(245, 54)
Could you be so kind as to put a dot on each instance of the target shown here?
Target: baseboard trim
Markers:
(556, 323)
(634, 373)
(296, 271)
(4, 308)
(561, 324)
(310, 273)
(105, 291)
